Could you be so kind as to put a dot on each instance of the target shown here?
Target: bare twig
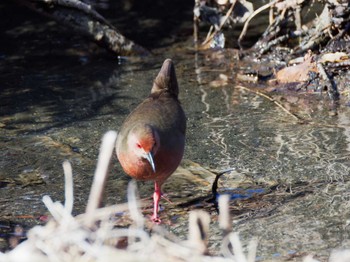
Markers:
(223, 22)
(214, 187)
(257, 11)
(274, 101)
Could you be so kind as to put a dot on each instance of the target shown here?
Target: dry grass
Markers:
(93, 235)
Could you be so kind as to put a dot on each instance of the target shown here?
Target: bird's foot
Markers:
(156, 219)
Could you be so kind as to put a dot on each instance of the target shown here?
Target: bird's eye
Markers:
(138, 145)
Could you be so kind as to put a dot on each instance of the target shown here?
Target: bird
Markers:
(151, 141)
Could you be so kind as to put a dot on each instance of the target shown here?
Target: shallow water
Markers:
(292, 178)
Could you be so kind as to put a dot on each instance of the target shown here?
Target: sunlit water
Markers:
(290, 186)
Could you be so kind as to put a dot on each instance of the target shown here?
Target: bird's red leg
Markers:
(156, 197)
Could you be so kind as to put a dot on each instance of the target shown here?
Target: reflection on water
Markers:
(344, 120)
(251, 133)
(306, 166)
(290, 185)
(62, 113)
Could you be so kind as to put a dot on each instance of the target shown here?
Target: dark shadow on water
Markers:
(59, 95)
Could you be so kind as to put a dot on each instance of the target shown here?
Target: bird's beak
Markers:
(149, 157)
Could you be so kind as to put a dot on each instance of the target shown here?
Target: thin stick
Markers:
(214, 187)
(68, 177)
(257, 11)
(221, 24)
(271, 17)
(272, 100)
(209, 35)
(300, 120)
(227, 15)
(101, 174)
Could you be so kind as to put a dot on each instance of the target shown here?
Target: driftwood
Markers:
(84, 19)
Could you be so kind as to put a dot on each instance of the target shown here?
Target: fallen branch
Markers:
(84, 19)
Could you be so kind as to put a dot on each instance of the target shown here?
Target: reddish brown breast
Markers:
(163, 112)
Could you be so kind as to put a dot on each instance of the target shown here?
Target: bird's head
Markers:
(144, 143)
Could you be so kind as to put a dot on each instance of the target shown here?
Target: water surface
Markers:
(292, 177)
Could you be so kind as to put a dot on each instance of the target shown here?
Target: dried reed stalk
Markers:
(93, 236)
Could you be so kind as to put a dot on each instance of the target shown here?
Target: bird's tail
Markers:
(166, 79)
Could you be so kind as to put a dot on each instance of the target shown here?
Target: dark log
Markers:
(84, 19)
